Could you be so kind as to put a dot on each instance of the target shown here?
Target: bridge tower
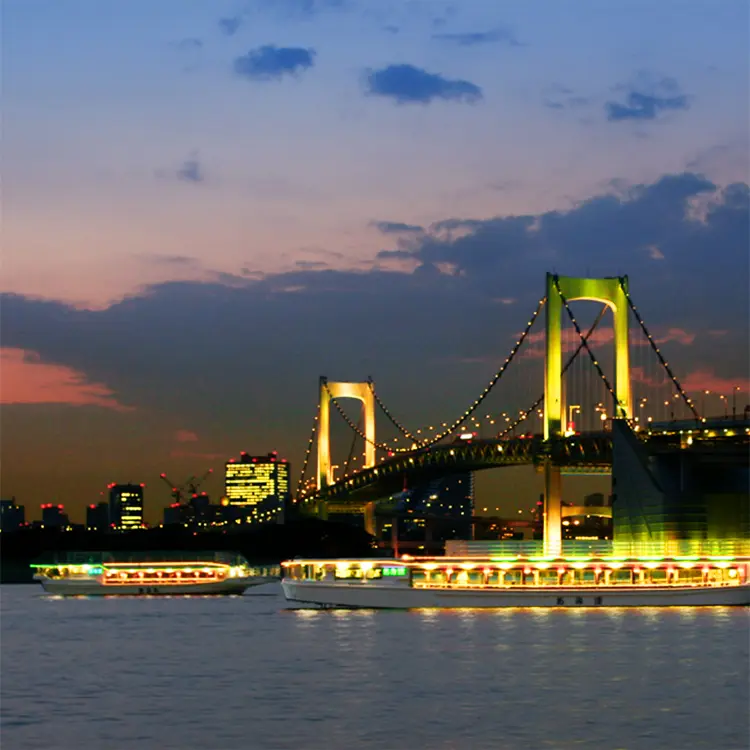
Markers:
(362, 392)
(611, 292)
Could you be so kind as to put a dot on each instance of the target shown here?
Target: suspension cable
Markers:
(663, 362)
(390, 416)
(493, 381)
(300, 491)
(524, 414)
(351, 449)
(619, 409)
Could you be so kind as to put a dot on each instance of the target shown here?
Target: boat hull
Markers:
(369, 596)
(68, 587)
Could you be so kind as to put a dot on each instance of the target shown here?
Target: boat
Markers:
(133, 574)
(519, 581)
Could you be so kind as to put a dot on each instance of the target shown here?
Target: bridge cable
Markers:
(493, 381)
(390, 416)
(532, 408)
(619, 409)
(663, 362)
(310, 442)
(351, 450)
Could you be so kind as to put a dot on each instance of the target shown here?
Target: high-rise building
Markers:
(97, 517)
(257, 488)
(53, 515)
(126, 506)
(12, 516)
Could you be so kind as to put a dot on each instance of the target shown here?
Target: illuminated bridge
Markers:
(561, 447)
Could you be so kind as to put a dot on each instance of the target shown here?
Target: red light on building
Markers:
(92, 507)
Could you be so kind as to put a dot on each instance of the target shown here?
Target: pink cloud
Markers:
(28, 380)
(705, 380)
(678, 335)
(185, 436)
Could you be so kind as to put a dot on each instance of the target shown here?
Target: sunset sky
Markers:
(208, 205)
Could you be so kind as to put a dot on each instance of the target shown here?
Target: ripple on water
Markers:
(246, 672)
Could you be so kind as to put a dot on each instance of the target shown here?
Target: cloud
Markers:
(396, 227)
(185, 436)
(230, 26)
(647, 99)
(28, 380)
(391, 29)
(408, 84)
(270, 63)
(158, 349)
(190, 171)
(470, 39)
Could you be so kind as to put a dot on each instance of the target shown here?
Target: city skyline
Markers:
(264, 193)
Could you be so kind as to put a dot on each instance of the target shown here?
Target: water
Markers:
(246, 673)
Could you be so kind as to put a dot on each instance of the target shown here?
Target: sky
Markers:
(206, 206)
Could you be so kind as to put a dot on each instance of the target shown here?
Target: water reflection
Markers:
(256, 674)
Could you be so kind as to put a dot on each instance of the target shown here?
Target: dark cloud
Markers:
(191, 171)
(407, 84)
(396, 227)
(230, 26)
(647, 99)
(391, 29)
(238, 359)
(471, 39)
(268, 63)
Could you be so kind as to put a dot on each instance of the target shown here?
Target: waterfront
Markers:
(245, 672)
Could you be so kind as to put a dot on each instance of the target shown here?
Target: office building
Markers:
(257, 488)
(53, 516)
(97, 517)
(12, 516)
(126, 506)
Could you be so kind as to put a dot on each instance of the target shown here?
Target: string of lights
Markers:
(474, 406)
(390, 416)
(663, 362)
(300, 484)
(619, 409)
(524, 414)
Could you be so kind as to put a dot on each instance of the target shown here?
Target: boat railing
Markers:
(600, 548)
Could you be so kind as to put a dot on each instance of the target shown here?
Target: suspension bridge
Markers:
(552, 443)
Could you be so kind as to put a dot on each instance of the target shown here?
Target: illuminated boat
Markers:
(520, 581)
(109, 575)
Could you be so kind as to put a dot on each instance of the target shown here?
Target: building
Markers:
(257, 488)
(53, 516)
(97, 517)
(436, 510)
(126, 506)
(12, 516)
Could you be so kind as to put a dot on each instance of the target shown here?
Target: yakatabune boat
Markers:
(112, 574)
(519, 581)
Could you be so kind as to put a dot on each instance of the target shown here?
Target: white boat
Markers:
(517, 581)
(175, 577)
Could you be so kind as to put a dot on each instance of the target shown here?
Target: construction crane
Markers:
(190, 485)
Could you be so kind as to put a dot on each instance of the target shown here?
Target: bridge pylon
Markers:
(330, 390)
(610, 291)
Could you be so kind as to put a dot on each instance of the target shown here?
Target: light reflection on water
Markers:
(246, 672)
